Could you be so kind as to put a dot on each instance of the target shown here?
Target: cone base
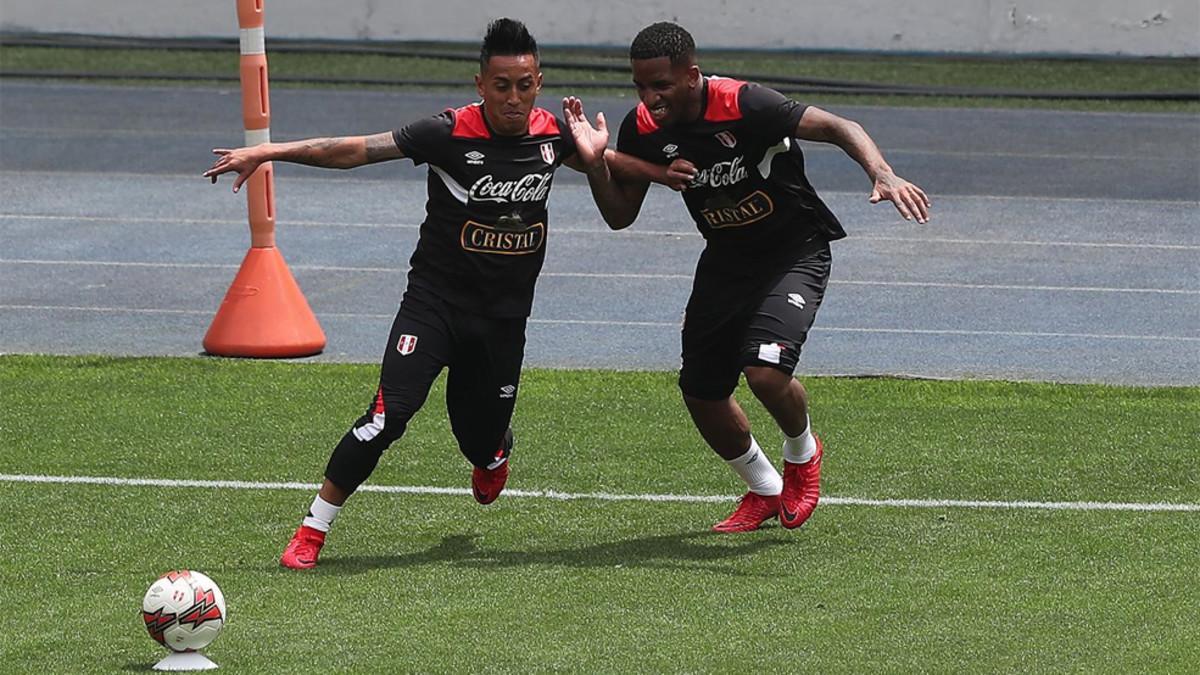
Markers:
(264, 313)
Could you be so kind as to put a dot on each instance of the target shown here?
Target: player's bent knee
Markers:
(767, 381)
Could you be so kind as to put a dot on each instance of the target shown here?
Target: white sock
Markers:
(321, 514)
(800, 449)
(756, 469)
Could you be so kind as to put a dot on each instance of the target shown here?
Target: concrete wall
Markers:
(1102, 27)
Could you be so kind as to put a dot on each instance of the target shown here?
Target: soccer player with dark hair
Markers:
(478, 255)
(766, 261)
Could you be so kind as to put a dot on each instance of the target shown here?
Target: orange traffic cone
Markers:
(264, 314)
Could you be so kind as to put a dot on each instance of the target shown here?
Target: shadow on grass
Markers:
(697, 551)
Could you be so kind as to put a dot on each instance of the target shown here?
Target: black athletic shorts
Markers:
(483, 355)
(732, 323)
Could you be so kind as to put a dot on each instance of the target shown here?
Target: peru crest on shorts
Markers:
(407, 344)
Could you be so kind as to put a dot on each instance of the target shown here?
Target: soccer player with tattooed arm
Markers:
(766, 262)
(471, 280)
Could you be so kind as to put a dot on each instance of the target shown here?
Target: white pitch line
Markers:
(616, 275)
(597, 496)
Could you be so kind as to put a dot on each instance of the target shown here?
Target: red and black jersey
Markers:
(750, 196)
(483, 239)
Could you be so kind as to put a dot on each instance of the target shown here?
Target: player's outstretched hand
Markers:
(909, 199)
(242, 161)
(590, 141)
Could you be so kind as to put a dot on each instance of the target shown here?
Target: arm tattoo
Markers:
(381, 147)
(319, 152)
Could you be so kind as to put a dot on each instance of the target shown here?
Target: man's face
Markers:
(667, 90)
(508, 86)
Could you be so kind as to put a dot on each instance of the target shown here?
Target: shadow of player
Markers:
(686, 550)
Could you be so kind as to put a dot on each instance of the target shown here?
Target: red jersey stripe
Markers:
(645, 123)
(723, 103)
(469, 123)
(542, 123)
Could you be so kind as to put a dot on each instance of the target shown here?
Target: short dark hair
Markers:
(506, 37)
(663, 39)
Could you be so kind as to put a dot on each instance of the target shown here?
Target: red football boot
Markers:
(753, 510)
(487, 484)
(801, 489)
(302, 551)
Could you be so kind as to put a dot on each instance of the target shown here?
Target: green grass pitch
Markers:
(437, 583)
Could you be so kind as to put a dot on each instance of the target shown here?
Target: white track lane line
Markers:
(691, 233)
(616, 275)
(673, 325)
(599, 496)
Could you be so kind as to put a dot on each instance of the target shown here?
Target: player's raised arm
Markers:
(820, 125)
(332, 153)
(618, 181)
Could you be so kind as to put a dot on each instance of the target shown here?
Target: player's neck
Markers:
(695, 107)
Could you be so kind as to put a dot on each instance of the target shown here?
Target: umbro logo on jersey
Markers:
(796, 299)
(407, 344)
(671, 150)
(474, 157)
(726, 138)
(507, 391)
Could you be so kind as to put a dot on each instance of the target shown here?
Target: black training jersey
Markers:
(750, 196)
(483, 240)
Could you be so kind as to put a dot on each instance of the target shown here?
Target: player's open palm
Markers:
(590, 141)
(909, 199)
(242, 161)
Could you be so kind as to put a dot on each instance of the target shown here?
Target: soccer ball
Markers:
(184, 610)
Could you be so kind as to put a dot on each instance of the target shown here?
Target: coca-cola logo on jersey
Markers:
(534, 187)
(721, 174)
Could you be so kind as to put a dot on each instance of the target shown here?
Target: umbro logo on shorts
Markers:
(507, 391)
(407, 344)
(796, 299)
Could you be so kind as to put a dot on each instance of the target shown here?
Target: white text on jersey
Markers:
(534, 187)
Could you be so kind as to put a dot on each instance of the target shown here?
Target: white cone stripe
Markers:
(253, 41)
(601, 496)
(257, 136)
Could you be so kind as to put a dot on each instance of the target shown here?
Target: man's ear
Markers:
(479, 84)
